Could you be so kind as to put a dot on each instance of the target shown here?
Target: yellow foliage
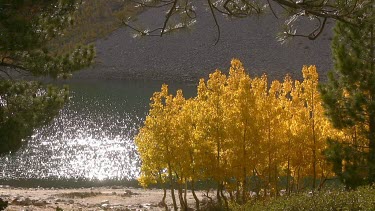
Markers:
(238, 127)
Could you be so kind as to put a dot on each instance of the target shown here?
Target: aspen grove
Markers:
(244, 134)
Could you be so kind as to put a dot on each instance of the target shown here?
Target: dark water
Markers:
(93, 136)
(189, 55)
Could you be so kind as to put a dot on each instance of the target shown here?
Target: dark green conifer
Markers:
(26, 26)
(349, 95)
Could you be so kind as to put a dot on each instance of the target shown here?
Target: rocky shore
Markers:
(104, 198)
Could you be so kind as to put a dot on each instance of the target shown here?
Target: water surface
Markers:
(93, 136)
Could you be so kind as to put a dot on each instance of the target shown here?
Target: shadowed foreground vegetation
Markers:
(361, 199)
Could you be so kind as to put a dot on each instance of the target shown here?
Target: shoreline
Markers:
(96, 198)
(50, 183)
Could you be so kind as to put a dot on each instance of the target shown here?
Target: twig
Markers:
(216, 23)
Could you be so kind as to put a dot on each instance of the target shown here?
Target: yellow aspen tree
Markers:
(152, 159)
(206, 152)
(298, 156)
(259, 88)
(264, 118)
(241, 127)
(277, 134)
(155, 140)
(191, 143)
(272, 134)
(150, 170)
(285, 101)
(174, 107)
(214, 128)
(318, 124)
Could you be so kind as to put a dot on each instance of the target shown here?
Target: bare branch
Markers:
(310, 10)
(149, 33)
(273, 12)
(321, 10)
(143, 33)
(188, 11)
(168, 16)
(152, 6)
(314, 34)
(216, 23)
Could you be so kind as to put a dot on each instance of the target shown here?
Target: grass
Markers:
(361, 199)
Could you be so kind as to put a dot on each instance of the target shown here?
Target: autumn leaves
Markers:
(241, 132)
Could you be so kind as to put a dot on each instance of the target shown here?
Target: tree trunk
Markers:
(293, 183)
(181, 199)
(194, 195)
(268, 186)
(218, 194)
(244, 172)
(224, 197)
(371, 154)
(276, 181)
(172, 186)
(185, 196)
(163, 199)
(244, 195)
(238, 191)
(298, 178)
(288, 170)
(288, 178)
(231, 195)
(164, 192)
(314, 141)
(164, 195)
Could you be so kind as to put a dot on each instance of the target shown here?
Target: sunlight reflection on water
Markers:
(93, 142)
(92, 138)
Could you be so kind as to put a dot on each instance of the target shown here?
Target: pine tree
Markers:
(25, 28)
(349, 95)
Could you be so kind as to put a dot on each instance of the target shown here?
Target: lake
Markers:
(92, 137)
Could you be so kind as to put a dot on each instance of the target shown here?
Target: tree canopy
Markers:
(243, 133)
(26, 26)
(25, 29)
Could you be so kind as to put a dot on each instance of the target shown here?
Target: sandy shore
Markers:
(104, 198)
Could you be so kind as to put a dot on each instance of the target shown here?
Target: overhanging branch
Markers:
(322, 10)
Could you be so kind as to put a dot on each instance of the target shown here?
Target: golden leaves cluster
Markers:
(236, 128)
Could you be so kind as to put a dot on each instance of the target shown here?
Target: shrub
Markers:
(361, 199)
(3, 204)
